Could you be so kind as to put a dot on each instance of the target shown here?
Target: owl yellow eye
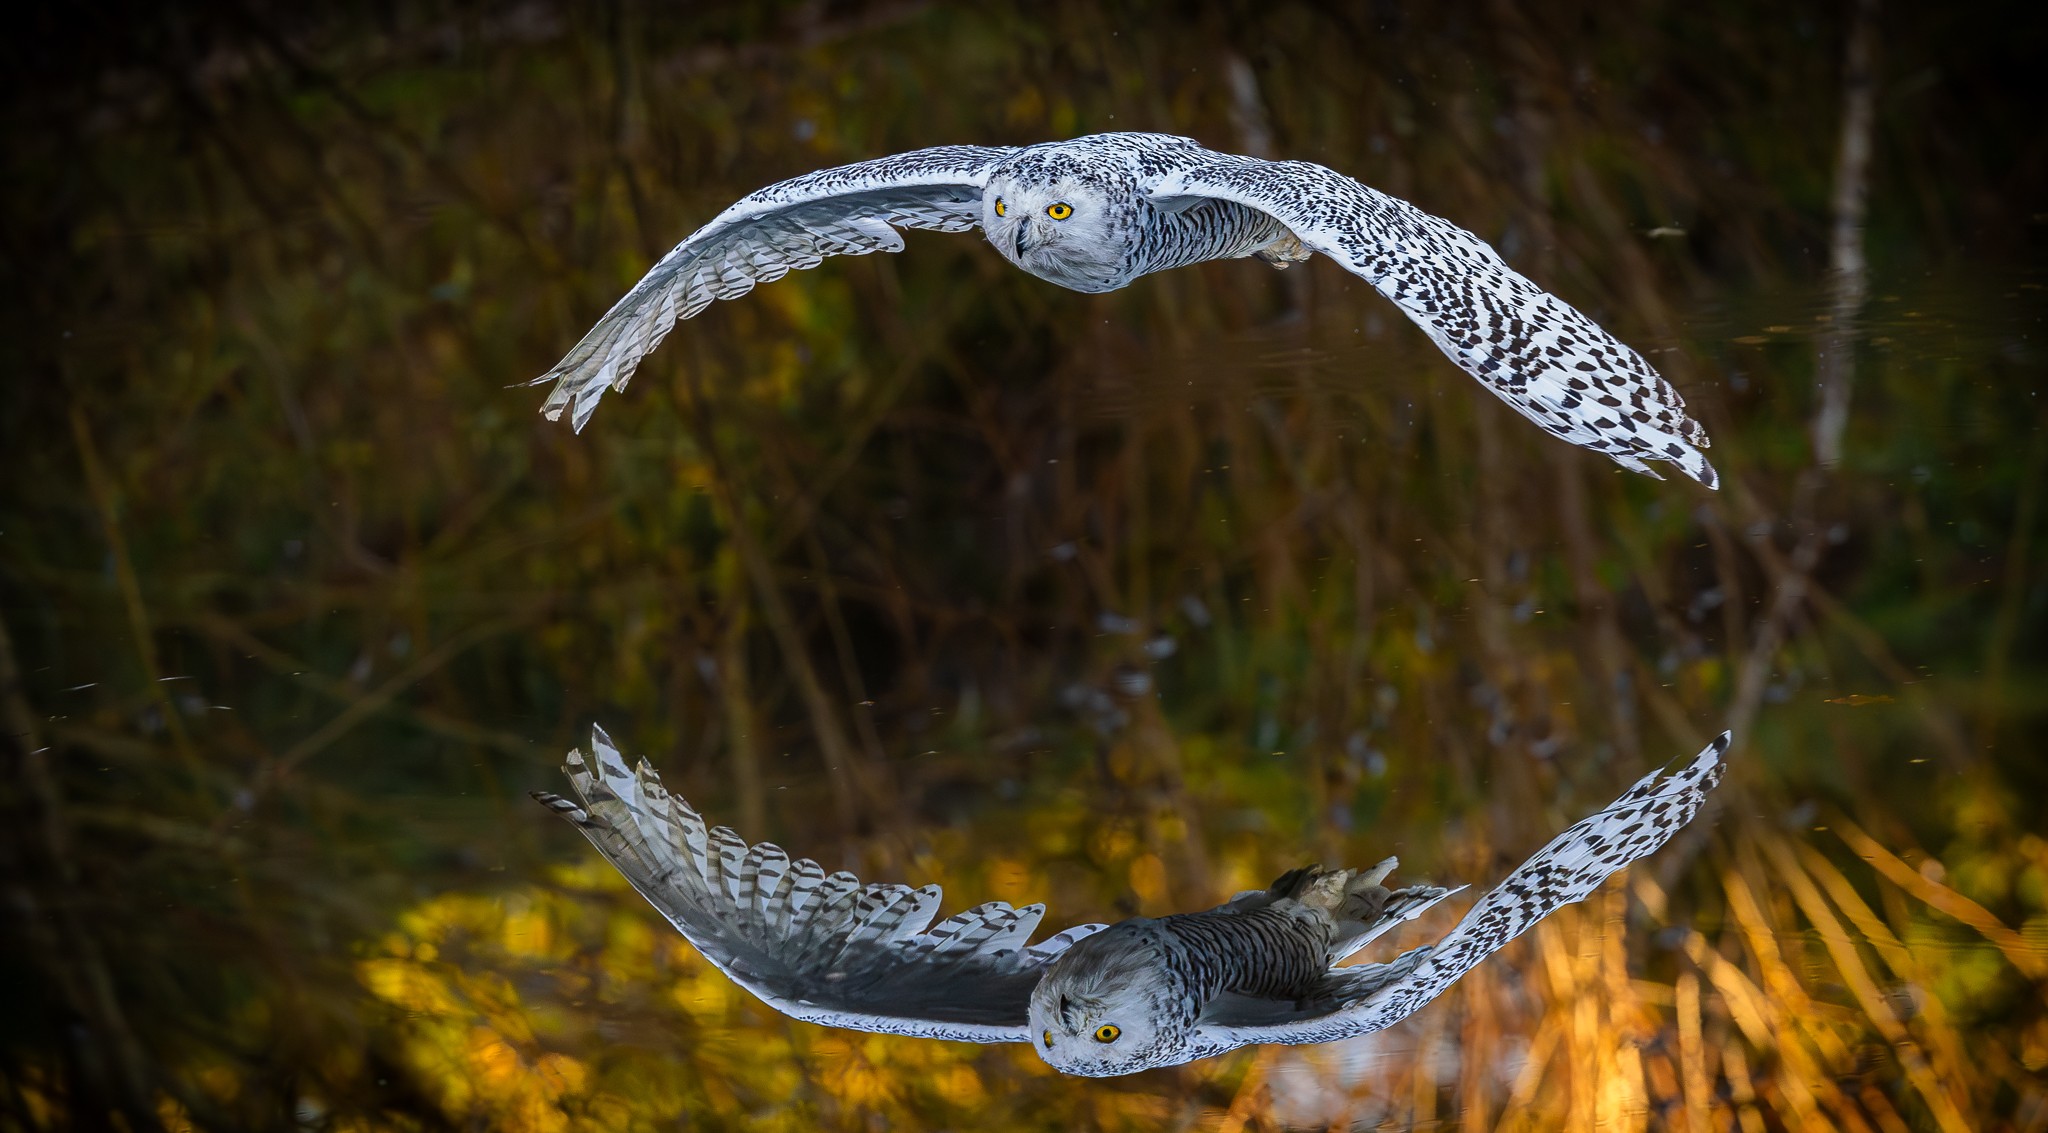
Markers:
(1002, 210)
(1107, 1032)
(1061, 210)
(1048, 1040)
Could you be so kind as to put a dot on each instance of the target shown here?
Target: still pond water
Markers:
(925, 568)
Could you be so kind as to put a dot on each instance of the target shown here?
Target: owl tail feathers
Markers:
(1355, 899)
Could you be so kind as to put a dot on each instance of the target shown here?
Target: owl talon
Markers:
(1285, 252)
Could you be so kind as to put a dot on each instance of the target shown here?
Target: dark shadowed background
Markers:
(921, 566)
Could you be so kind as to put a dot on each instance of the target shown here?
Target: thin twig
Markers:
(130, 586)
(274, 771)
(107, 1058)
(1835, 365)
(842, 766)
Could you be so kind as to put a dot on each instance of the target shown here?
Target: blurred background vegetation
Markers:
(924, 567)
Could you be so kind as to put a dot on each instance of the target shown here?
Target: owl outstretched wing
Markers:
(1359, 1000)
(849, 210)
(817, 947)
(1554, 365)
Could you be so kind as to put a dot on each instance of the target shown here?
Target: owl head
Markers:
(1068, 217)
(1114, 1003)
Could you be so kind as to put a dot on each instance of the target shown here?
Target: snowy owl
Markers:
(1095, 213)
(1093, 1000)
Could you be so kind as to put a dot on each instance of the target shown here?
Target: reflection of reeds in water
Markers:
(1123, 603)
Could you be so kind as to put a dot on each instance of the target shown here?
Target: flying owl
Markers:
(1095, 213)
(1093, 1000)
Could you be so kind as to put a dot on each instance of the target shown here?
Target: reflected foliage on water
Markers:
(929, 569)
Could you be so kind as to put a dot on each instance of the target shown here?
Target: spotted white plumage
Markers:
(1097, 212)
(1261, 968)
(819, 947)
(1360, 1000)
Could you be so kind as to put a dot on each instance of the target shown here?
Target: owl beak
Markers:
(1023, 244)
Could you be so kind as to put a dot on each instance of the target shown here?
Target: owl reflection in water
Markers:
(1092, 1000)
(1132, 996)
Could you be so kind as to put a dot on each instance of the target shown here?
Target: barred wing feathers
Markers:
(820, 947)
(849, 210)
(1369, 997)
(1536, 352)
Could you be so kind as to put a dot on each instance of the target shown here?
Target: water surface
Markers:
(1122, 602)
